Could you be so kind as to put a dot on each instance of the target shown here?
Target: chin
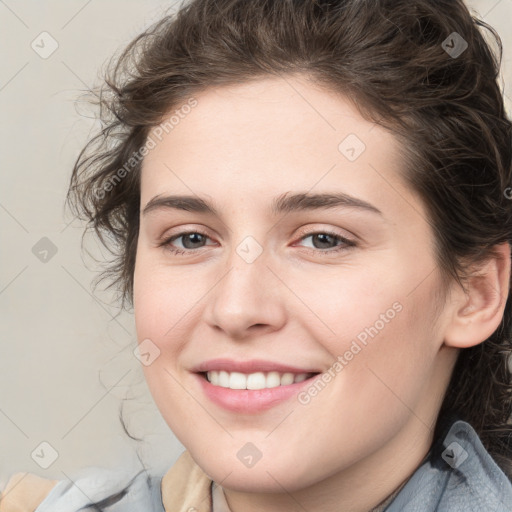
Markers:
(261, 482)
(261, 478)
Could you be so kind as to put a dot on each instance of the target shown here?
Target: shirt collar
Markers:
(457, 474)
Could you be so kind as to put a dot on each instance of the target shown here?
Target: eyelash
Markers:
(346, 243)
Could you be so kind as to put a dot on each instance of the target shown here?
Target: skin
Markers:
(297, 303)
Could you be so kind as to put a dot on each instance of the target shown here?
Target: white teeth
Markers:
(258, 380)
(223, 379)
(213, 377)
(273, 380)
(287, 378)
(237, 380)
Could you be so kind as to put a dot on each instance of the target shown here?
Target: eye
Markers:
(327, 238)
(189, 241)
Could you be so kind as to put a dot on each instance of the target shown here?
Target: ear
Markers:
(478, 311)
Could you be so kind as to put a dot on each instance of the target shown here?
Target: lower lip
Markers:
(248, 400)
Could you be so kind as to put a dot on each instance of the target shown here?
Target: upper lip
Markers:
(251, 366)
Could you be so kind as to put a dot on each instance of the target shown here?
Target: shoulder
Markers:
(24, 492)
(459, 474)
(472, 469)
(86, 486)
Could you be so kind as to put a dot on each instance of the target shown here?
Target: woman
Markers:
(370, 374)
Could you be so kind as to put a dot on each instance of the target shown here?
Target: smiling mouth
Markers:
(254, 381)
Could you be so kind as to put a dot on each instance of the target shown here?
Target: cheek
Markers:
(340, 303)
(159, 317)
(164, 300)
(379, 334)
(166, 305)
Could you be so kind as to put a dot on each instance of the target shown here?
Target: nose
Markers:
(247, 300)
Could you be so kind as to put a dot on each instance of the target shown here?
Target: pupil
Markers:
(190, 237)
(323, 236)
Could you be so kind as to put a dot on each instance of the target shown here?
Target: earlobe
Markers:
(478, 311)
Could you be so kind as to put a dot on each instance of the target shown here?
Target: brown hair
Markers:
(406, 66)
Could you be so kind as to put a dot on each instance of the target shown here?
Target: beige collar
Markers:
(186, 487)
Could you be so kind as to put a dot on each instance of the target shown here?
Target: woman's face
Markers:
(313, 257)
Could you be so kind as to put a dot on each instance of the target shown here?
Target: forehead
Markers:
(267, 137)
(282, 112)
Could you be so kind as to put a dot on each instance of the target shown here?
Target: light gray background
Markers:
(66, 362)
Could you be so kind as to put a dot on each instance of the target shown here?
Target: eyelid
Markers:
(347, 235)
(182, 230)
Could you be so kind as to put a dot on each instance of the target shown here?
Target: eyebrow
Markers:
(282, 204)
